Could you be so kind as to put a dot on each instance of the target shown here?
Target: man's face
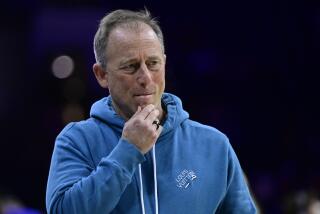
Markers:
(135, 69)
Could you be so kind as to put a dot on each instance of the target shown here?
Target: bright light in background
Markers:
(62, 67)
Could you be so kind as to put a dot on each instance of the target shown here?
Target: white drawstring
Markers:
(141, 191)
(155, 183)
(155, 178)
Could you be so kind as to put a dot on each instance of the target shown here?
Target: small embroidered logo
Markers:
(185, 178)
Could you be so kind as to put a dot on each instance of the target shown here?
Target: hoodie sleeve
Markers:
(74, 186)
(237, 198)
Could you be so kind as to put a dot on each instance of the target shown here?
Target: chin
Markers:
(144, 102)
(142, 105)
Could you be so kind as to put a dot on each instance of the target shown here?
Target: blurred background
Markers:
(249, 68)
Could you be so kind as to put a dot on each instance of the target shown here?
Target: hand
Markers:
(140, 130)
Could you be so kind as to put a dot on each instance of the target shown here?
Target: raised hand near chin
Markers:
(143, 128)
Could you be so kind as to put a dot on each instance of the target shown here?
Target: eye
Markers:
(153, 64)
(129, 68)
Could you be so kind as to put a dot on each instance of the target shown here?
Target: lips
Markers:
(143, 94)
(144, 98)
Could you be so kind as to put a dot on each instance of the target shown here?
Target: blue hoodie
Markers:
(191, 169)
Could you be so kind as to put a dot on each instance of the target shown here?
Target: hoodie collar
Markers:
(104, 111)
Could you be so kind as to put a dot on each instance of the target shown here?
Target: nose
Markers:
(143, 75)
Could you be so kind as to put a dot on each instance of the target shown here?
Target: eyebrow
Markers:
(133, 60)
(126, 61)
(154, 57)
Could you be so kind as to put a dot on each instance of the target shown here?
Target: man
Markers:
(138, 152)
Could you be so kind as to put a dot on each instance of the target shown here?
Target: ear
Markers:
(101, 75)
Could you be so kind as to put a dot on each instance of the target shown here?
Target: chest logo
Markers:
(185, 178)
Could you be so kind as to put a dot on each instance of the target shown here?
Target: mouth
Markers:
(143, 98)
(143, 94)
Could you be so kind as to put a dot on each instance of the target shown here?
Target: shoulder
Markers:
(204, 130)
(83, 127)
(83, 134)
(89, 134)
(207, 136)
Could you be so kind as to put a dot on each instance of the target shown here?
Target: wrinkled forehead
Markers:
(126, 41)
(132, 30)
(134, 26)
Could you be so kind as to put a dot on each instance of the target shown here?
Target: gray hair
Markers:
(115, 19)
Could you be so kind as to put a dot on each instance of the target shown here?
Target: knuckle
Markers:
(150, 128)
(157, 112)
(145, 126)
(154, 135)
(137, 121)
(150, 107)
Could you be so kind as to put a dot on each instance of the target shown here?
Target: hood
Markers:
(104, 111)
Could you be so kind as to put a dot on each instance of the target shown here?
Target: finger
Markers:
(156, 124)
(145, 111)
(153, 116)
(159, 130)
(137, 112)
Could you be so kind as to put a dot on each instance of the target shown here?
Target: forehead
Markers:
(127, 40)
(132, 30)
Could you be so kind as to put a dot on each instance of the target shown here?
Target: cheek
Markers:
(159, 79)
(121, 84)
